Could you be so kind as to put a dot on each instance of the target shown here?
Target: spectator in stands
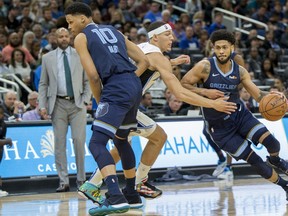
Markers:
(19, 65)
(146, 102)
(241, 8)
(254, 59)
(284, 39)
(15, 42)
(203, 40)
(47, 22)
(261, 16)
(197, 27)
(273, 56)
(154, 14)
(270, 41)
(246, 98)
(240, 43)
(3, 9)
(166, 17)
(179, 32)
(97, 17)
(127, 14)
(176, 69)
(26, 23)
(167, 94)
(13, 109)
(141, 9)
(141, 38)
(279, 83)
(189, 41)
(133, 35)
(25, 12)
(267, 69)
(185, 20)
(173, 106)
(12, 23)
(193, 6)
(117, 18)
(143, 29)
(27, 40)
(37, 73)
(3, 39)
(39, 34)
(32, 100)
(217, 24)
(173, 16)
(3, 141)
(34, 114)
(52, 41)
(56, 13)
(3, 68)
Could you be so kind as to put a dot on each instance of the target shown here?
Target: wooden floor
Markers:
(252, 196)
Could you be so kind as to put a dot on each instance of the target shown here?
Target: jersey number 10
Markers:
(107, 36)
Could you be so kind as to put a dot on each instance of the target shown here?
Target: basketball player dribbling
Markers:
(234, 132)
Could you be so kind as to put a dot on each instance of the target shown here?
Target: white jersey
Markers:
(148, 77)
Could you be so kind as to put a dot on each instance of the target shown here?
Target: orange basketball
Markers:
(273, 107)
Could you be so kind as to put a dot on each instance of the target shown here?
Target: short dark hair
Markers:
(155, 25)
(222, 34)
(78, 8)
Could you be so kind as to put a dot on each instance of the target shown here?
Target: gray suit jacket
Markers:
(48, 81)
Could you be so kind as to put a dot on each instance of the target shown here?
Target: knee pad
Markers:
(97, 147)
(272, 144)
(126, 153)
(261, 167)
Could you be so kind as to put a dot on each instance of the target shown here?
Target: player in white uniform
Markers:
(161, 38)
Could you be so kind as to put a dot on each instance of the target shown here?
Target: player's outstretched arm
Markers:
(161, 64)
(80, 44)
(135, 53)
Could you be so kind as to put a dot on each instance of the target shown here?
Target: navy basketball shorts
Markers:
(120, 99)
(234, 134)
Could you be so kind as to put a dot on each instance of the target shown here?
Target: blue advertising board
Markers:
(32, 153)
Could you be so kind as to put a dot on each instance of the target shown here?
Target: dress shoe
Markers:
(79, 183)
(63, 188)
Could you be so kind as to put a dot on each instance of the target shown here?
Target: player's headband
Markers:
(159, 30)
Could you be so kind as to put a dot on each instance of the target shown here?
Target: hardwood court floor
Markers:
(252, 196)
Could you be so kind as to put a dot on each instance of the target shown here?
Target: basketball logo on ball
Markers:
(273, 107)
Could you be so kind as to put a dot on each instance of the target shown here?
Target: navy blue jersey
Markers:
(225, 82)
(107, 45)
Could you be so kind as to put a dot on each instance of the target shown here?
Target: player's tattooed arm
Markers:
(206, 69)
(261, 95)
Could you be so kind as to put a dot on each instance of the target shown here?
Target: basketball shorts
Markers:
(145, 127)
(234, 135)
(120, 99)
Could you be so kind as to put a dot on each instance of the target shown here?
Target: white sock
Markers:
(96, 178)
(142, 172)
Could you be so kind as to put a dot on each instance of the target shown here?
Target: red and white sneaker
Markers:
(148, 190)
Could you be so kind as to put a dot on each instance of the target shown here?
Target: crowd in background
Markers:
(27, 31)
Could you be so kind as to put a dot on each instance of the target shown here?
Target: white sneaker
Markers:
(220, 168)
(227, 174)
(3, 193)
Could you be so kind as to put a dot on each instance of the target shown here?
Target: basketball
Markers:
(273, 107)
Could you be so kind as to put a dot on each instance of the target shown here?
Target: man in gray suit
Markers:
(63, 92)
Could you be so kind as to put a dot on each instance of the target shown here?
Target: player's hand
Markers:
(281, 94)
(9, 142)
(182, 59)
(222, 105)
(212, 93)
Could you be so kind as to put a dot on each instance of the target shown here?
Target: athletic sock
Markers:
(130, 185)
(112, 185)
(96, 178)
(142, 172)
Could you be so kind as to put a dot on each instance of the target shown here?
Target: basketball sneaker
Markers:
(91, 192)
(112, 204)
(3, 193)
(220, 168)
(227, 174)
(147, 190)
(282, 165)
(134, 199)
